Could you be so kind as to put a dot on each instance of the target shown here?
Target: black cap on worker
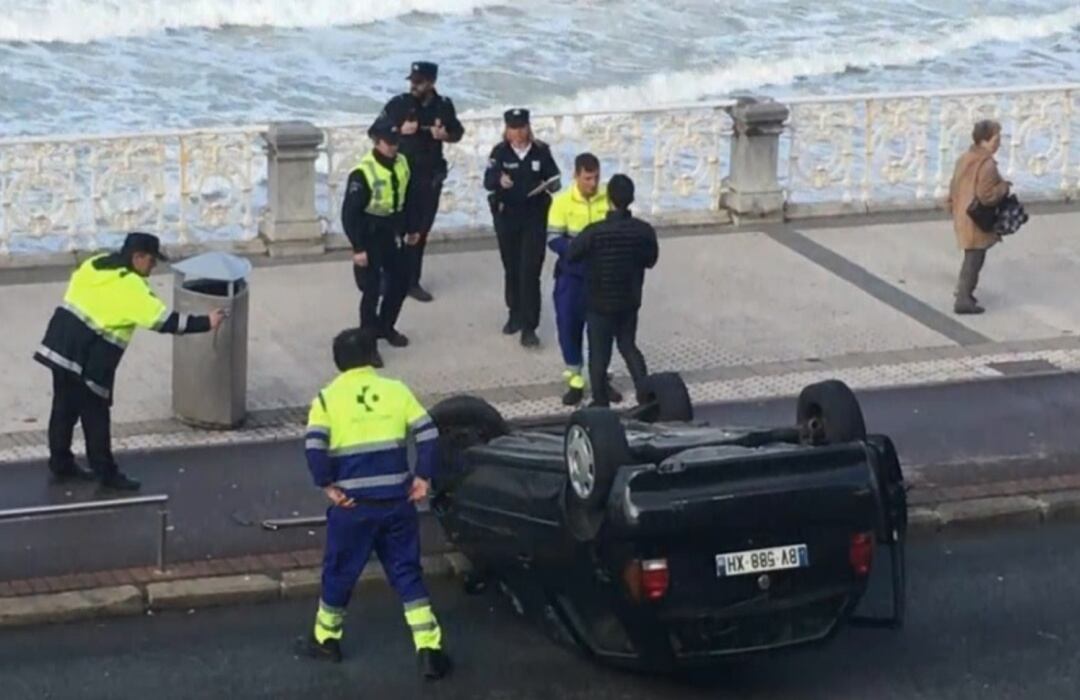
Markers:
(620, 191)
(139, 242)
(424, 70)
(355, 347)
(516, 118)
(384, 131)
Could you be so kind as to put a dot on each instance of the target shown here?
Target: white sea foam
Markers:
(81, 21)
(746, 73)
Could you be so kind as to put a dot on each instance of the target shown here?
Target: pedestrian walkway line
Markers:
(876, 287)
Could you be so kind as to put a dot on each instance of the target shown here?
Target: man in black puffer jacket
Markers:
(617, 251)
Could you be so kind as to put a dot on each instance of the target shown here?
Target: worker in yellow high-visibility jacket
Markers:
(584, 203)
(107, 298)
(356, 452)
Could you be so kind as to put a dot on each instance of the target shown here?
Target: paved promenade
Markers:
(744, 313)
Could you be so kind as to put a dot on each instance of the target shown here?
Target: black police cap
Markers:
(385, 131)
(516, 117)
(425, 70)
(139, 242)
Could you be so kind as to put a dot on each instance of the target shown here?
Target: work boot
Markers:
(511, 327)
(434, 664)
(573, 396)
(420, 294)
(118, 481)
(967, 307)
(330, 650)
(395, 339)
(529, 339)
(71, 472)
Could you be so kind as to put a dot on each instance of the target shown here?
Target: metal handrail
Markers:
(161, 500)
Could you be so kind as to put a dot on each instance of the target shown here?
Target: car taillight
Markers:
(647, 579)
(861, 553)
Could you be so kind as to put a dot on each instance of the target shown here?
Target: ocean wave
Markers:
(748, 73)
(83, 21)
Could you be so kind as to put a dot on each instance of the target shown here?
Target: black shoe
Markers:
(118, 481)
(614, 394)
(420, 294)
(71, 473)
(330, 650)
(511, 327)
(573, 397)
(967, 308)
(396, 339)
(434, 664)
(529, 338)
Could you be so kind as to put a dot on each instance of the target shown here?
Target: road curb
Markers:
(192, 593)
(925, 520)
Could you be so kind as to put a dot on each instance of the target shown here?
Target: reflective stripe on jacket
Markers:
(102, 307)
(357, 431)
(386, 198)
(568, 216)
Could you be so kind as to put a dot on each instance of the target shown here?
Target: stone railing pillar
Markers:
(292, 224)
(752, 186)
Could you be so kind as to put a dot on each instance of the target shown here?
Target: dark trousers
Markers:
(603, 329)
(969, 275)
(427, 189)
(522, 244)
(383, 280)
(352, 534)
(73, 402)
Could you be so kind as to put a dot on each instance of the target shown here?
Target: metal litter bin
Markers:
(209, 378)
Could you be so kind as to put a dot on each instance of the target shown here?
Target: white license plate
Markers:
(752, 561)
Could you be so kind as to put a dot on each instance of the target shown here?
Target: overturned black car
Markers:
(655, 542)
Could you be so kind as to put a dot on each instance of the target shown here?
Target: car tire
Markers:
(468, 418)
(828, 413)
(668, 393)
(463, 421)
(594, 447)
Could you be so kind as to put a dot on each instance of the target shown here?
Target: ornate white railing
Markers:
(675, 157)
(903, 146)
(80, 192)
(76, 193)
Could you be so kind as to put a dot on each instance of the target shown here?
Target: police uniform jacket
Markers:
(105, 302)
(527, 173)
(425, 153)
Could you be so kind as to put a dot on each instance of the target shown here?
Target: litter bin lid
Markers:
(214, 265)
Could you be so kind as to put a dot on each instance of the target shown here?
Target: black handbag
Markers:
(984, 216)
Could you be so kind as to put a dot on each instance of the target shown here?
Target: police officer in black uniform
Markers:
(425, 120)
(521, 175)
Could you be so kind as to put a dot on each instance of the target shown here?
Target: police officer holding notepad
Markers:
(521, 175)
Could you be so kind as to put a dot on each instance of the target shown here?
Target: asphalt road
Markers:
(992, 616)
(219, 495)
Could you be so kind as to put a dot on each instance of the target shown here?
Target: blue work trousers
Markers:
(570, 318)
(391, 530)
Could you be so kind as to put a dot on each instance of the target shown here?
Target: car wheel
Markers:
(594, 448)
(463, 421)
(828, 413)
(667, 394)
